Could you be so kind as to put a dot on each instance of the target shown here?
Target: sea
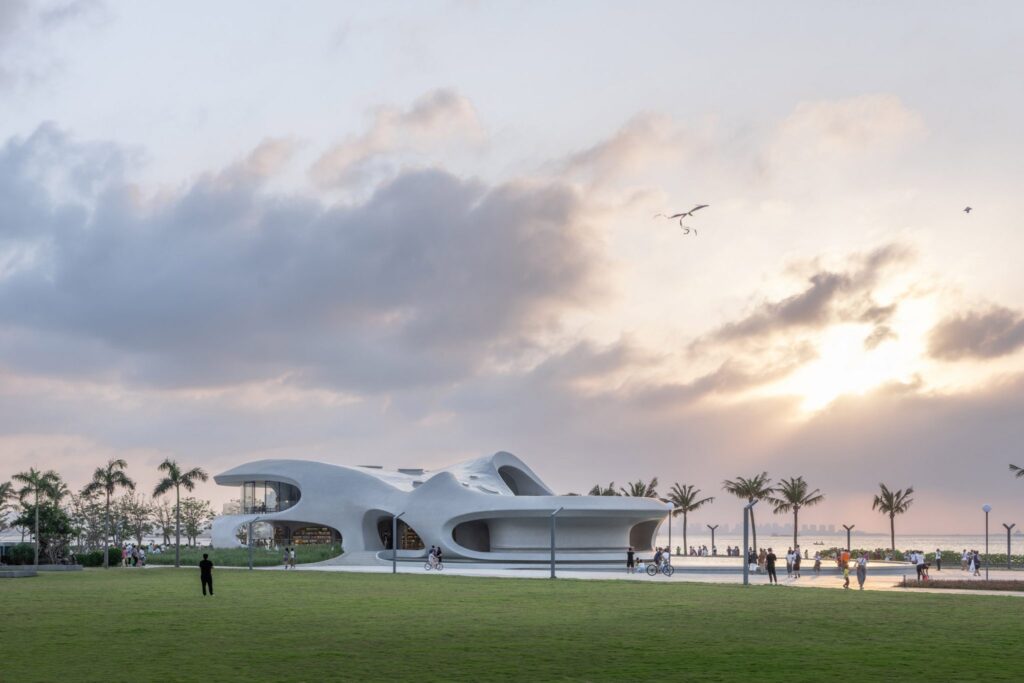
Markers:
(870, 541)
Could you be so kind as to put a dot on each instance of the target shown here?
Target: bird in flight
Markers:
(967, 210)
(683, 215)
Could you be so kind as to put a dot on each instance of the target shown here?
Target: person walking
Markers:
(769, 565)
(862, 570)
(964, 559)
(938, 560)
(846, 576)
(817, 563)
(789, 562)
(286, 558)
(206, 573)
(976, 563)
(630, 560)
(291, 558)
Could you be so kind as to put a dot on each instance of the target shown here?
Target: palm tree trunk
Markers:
(106, 537)
(686, 547)
(753, 528)
(37, 528)
(796, 515)
(177, 526)
(892, 532)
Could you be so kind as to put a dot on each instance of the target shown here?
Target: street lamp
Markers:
(394, 542)
(251, 522)
(712, 537)
(553, 515)
(746, 539)
(987, 508)
(848, 529)
(671, 512)
(1008, 528)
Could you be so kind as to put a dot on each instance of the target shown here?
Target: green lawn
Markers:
(142, 625)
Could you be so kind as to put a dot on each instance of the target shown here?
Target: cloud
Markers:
(850, 126)
(27, 35)
(880, 334)
(226, 282)
(995, 332)
(828, 297)
(436, 118)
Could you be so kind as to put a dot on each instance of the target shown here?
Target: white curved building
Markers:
(491, 509)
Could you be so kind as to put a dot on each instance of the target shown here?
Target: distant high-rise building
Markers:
(831, 528)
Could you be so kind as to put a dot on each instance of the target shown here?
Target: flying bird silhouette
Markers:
(683, 215)
(967, 210)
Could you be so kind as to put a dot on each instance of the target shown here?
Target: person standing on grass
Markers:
(862, 570)
(206, 573)
(769, 565)
(630, 560)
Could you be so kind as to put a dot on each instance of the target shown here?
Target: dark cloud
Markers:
(226, 282)
(828, 297)
(995, 332)
(879, 334)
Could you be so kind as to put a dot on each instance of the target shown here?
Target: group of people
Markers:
(662, 556)
(970, 560)
(289, 558)
(133, 556)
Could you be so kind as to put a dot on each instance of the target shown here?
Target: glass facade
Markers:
(267, 496)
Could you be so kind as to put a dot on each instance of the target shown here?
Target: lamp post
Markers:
(553, 515)
(1009, 565)
(394, 542)
(987, 508)
(712, 537)
(251, 522)
(746, 540)
(848, 529)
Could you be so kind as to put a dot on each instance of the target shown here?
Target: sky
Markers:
(410, 234)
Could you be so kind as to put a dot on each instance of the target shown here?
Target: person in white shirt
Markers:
(938, 560)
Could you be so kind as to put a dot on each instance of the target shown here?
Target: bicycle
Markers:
(665, 568)
(437, 565)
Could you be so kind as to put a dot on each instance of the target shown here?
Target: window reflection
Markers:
(268, 496)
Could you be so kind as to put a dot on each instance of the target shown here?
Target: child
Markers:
(846, 576)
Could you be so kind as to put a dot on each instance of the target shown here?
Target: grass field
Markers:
(154, 624)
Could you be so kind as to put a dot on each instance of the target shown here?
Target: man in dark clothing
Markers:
(630, 560)
(769, 564)
(206, 573)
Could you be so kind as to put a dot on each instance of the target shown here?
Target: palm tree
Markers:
(108, 479)
(6, 493)
(175, 479)
(684, 500)
(37, 484)
(1018, 470)
(892, 503)
(755, 488)
(638, 489)
(599, 490)
(793, 495)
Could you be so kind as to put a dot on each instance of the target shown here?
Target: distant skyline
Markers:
(410, 234)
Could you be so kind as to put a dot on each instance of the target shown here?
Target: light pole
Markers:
(848, 529)
(553, 515)
(1009, 565)
(987, 508)
(671, 510)
(712, 537)
(251, 522)
(394, 542)
(746, 539)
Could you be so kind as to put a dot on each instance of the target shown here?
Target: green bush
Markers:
(239, 557)
(23, 553)
(92, 558)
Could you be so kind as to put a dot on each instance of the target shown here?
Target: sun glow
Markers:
(847, 366)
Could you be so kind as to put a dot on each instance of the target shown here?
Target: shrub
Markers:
(92, 558)
(23, 553)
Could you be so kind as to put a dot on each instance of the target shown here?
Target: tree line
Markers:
(40, 505)
(788, 496)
